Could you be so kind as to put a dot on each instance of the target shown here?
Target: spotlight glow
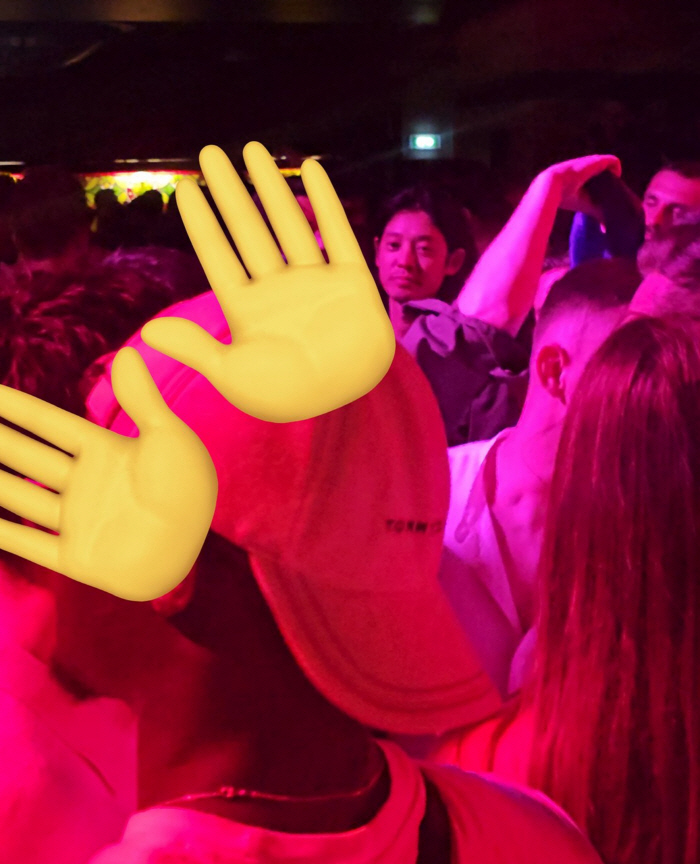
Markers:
(425, 141)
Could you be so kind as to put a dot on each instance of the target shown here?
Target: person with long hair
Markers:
(609, 724)
(616, 687)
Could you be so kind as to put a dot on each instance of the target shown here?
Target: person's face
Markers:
(412, 257)
(668, 196)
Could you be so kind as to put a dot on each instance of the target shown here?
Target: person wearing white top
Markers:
(499, 488)
(488, 821)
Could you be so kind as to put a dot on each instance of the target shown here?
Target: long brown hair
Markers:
(616, 690)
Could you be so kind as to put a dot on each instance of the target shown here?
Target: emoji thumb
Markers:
(184, 341)
(136, 390)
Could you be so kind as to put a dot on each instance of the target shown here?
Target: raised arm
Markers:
(501, 288)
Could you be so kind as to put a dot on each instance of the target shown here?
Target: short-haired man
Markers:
(670, 199)
(670, 265)
(672, 193)
(500, 487)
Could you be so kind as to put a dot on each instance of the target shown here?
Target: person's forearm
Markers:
(501, 288)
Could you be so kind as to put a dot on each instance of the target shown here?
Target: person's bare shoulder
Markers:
(492, 820)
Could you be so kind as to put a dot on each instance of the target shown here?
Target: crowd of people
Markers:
(455, 620)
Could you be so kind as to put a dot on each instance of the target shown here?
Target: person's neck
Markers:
(401, 317)
(529, 451)
(266, 730)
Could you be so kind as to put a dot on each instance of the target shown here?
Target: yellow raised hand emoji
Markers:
(306, 336)
(131, 514)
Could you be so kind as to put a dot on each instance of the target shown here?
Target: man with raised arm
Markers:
(499, 485)
(468, 351)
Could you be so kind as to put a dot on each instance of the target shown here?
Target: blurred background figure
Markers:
(110, 217)
(8, 252)
(50, 221)
(144, 222)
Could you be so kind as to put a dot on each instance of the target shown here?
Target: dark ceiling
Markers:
(99, 91)
(87, 82)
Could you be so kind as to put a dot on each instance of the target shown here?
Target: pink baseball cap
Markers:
(342, 517)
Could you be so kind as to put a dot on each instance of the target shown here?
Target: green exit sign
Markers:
(425, 141)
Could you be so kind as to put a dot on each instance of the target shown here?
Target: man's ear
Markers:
(551, 363)
(178, 599)
(455, 259)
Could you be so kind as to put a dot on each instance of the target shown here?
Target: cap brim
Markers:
(394, 660)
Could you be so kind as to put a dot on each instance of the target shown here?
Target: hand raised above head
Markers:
(307, 336)
(571, 176)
